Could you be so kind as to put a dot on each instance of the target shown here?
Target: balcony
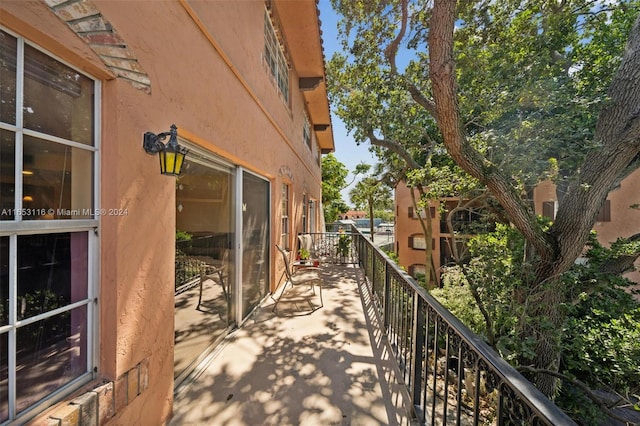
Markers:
(380, 351)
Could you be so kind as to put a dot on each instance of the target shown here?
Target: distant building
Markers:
(616, 219)
(354, 214)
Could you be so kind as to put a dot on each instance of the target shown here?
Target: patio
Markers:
(331, 366)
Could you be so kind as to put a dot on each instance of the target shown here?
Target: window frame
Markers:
(285, 214)
(306, 131)
(604, 214)
(275, 57)
(420, 237)
(17, 227)
(305, 224)
(549, 209)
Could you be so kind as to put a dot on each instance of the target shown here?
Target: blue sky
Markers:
(347, 152)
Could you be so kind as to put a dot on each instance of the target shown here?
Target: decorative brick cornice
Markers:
(84, 18)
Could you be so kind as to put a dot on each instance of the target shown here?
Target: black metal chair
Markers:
(304, 275)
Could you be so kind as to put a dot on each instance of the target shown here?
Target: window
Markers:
(447, 257)
(306, 131)
(274, 55)
(284, 212)
(417, 242)
(549, 209)
(48, 118)
(605, 212)
(304, 213)
(413, 214)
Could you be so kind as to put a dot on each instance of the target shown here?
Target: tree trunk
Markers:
(618, 133)
(427, 230)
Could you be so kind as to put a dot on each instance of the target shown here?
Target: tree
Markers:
(404, 137)
(334, 175)
(571, 58)
(371, 193)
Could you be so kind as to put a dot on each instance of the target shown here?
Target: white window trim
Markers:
(18, 227)
(418, 238)
(282, 65)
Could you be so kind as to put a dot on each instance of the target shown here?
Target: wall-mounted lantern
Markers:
(171, 155)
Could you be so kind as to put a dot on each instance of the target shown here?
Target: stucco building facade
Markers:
(619, 218)
(93, 311)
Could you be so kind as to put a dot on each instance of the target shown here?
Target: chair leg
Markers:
(202, 278)
(313, 289)
(275, 305)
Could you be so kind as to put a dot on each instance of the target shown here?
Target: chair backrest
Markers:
(285, 258)
(306, 242)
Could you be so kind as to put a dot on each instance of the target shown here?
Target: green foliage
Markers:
(183, 236)
(344, 245)
(531, 80)
(334, 175)
(384, 214)
(303, 253)
(534, 77)
(371, 193)
(456, 296)
(497, 273)
(601, 335)
(602, 343)
(603, 327)
(394, 257)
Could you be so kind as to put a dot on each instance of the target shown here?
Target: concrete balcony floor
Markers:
(326, 367)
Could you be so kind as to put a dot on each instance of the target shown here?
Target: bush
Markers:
(456, 296)
(601, 335)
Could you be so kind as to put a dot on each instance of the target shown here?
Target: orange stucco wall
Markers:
(213, 83)
(406, 226)
(625, 220)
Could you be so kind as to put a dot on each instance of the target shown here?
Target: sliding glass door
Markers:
(205, 272)
(255, 241)
(220, 277)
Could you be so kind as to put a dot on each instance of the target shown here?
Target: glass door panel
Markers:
(255, 241)
(204, 259)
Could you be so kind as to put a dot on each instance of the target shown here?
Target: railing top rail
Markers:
(539, 403)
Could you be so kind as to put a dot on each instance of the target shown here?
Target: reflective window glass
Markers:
(52, 272)
(52, 352)
(57, 99)
(4, 377)
(7, 174)
(8, 49)
(57, 181)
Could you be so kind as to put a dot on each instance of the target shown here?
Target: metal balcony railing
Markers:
(451, 375)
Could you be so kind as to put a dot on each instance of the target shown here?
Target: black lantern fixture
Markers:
(171, 155)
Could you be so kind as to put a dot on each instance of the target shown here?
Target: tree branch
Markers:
(618, 132)
(394, 147)
(391, 52)
(577, 383)
(442, 75)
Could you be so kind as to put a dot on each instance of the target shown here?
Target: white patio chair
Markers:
(306, 275)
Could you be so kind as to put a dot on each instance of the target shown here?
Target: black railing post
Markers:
(418, 352)
(387, 295)
(429, 364)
